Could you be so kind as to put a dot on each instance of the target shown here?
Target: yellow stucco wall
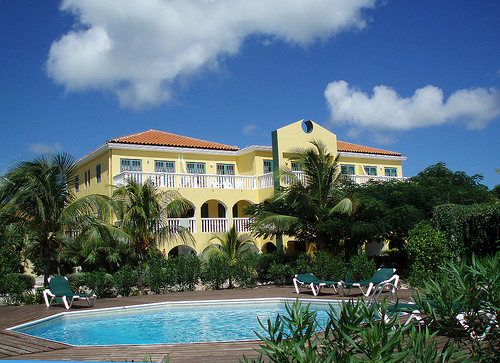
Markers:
(248, 162)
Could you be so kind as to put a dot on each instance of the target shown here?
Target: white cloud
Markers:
(249, 129)
(387, 110)
(137, 48)
(41, 148)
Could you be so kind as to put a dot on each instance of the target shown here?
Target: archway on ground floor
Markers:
(181, 250)
(268, 247)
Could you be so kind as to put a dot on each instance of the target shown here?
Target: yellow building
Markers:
(217, 179)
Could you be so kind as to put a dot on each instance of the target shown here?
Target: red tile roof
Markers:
(354, 148)
(161, 138)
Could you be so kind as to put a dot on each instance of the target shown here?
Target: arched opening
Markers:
(240, 219)
(214, 217)
(181, 250)
(268, 247)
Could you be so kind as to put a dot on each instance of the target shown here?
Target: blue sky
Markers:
(418, 77)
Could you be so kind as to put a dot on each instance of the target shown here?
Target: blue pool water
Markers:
(187, 322)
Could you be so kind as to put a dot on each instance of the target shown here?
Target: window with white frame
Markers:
(164, 166)
(268, 166)
(347, 169)
(225, 169)
(391, 172)
(77, 183)
(98, 173)
(370, 170)
(130, 165)
(195, 168)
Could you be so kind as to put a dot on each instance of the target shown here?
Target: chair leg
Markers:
(46, 298)
(296, 284)
(315, 293)
(91, 300)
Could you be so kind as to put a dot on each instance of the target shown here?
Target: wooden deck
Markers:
(16, 346)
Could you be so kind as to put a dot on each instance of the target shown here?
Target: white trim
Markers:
(371, 156)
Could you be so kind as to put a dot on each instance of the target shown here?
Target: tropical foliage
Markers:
(37, 201)
(304, 206)
(144, 211)
(228, 248)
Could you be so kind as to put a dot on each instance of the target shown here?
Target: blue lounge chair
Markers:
(59, 288)
(313, 282)
(382, 277)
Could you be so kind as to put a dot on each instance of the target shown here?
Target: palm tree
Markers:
(144, 211)
(230, 245)
(36, 198)
(301, 209)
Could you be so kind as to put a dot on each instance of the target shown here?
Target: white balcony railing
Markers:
(241, 224)
(178, 180)
(208, 181)
(189, 223)
(214, 225)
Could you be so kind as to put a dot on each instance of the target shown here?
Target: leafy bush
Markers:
(472, 289)
(471, 228)
(268, 259)
(33, 298)
(13, 286)
(427, 249)
(160, 273)
(100, 283)
(188, 271)
(278, 273)
(77, 281)
(245, 270)
(302, 264)
(362, 268)
(124, 279)
(216, 271)
(353, 334)
(326, 267)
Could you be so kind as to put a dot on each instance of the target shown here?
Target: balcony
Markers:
(210, 225)
(208, 181)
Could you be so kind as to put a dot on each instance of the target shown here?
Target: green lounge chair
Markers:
(59, 288)
(313, 282)
(380, 278)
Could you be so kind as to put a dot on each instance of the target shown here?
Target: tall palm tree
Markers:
(306, 203)
(36, 198)
(230, 245)
(144, 211)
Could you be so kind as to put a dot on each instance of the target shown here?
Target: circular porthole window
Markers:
(307, 126)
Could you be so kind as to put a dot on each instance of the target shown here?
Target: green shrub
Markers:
(33, 298)
(216, 271)
(353, 334)
(278, 273)
(471, 288)
(326, 267)
(188, 271)
(362, 268)
(77, 281)
(100, 283)
(427, 249)
(302, 264)
(14, 285)
(124, 279)
(245, 270)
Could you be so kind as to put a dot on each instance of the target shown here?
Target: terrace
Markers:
(209, 181)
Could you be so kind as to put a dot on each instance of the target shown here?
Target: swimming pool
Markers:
(166, 323)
